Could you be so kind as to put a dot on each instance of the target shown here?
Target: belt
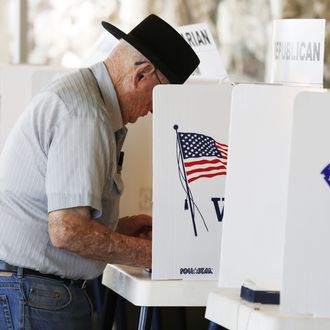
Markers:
(4, 267)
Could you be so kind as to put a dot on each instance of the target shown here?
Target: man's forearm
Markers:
(90, 239)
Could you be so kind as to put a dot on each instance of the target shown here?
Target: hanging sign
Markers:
(199, 37)
(298, 52)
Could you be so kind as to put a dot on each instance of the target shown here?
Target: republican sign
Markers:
(298, 52)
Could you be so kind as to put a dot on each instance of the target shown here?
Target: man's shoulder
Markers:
(76, 88)
(72, 82)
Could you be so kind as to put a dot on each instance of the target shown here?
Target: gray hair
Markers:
(125, 56)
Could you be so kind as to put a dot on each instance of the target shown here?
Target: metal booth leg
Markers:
(145, 318)
(109, 309)
(214, 326)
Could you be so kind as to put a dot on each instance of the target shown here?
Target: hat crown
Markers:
(162, 45)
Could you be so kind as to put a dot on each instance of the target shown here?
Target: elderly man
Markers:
(60, 180)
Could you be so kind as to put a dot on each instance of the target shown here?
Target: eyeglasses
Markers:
(155, 71)
(156, 74)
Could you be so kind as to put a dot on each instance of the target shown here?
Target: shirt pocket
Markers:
(114, 187)
(110, 201)
(118, 183)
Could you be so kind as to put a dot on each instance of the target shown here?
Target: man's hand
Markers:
(136, 225)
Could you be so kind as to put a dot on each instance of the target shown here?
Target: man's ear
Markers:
(142, 73)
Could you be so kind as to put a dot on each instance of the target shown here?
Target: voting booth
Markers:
(190, 151)
(257, 178)
(273, 237)
(275, 225)
(306, 272)
(260, 152)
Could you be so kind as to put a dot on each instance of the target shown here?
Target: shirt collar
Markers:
(109, 94)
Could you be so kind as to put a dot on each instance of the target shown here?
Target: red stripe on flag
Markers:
(206, 176)
(225, 146)
(202, 162)
(206, 169)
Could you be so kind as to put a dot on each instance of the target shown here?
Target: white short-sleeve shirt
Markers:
(62, 153)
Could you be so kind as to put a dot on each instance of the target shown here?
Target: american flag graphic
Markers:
(203, 156)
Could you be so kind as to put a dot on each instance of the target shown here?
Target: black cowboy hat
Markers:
(162, 45)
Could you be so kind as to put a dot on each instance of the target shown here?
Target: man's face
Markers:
(143, 92)
(142, 106)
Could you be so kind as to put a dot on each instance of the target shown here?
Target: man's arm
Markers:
(74, 230)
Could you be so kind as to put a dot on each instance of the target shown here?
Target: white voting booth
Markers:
(258, 166)
(293, 247)
(188, 202)
(190, 137)
(256, 191)
(306, 271)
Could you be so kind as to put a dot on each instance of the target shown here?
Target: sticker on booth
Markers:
(326, 174)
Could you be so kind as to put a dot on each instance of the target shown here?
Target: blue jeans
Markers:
(29, 302)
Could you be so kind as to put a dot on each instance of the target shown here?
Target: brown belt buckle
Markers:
(6, 274)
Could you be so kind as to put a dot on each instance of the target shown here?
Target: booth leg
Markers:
(145, 318)
(109, 309)
(214, 326)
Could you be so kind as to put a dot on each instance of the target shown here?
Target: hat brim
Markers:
(142, 48)
(114, 31)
